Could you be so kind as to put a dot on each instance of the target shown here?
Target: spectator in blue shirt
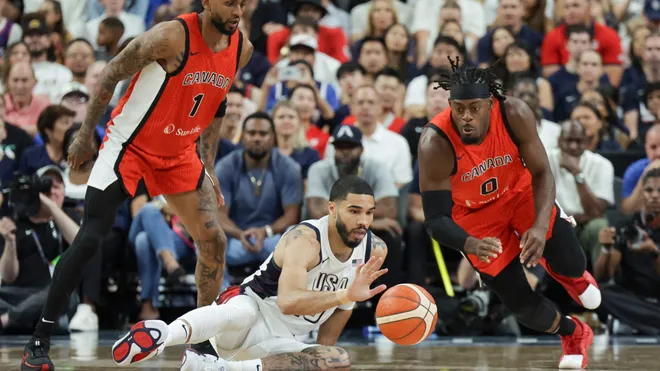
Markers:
(291, 140)
(263, 192)
(52, 124)
(632, 195)
(512, 14)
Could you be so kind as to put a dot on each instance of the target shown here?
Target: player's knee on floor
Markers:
(335, 358)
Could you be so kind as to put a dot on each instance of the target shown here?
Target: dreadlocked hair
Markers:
(470, 75)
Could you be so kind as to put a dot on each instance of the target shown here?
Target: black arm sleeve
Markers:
(439, 225)
(220, 113)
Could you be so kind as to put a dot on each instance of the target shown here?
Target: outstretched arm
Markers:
(301, 253)
(164, 41)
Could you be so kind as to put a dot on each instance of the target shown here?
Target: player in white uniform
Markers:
(318, 270)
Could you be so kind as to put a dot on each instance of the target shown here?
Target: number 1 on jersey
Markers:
(198, 100)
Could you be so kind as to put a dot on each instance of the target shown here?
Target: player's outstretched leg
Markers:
(312, 358)
(564, 260)
(540, 314)
(148, 339)
(100, 212)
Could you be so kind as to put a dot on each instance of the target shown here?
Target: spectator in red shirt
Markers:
(391, 91)
(606, 42)
(332, 41)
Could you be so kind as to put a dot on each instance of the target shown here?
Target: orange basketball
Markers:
(406, 314)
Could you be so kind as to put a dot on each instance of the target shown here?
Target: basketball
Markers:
(406, 314)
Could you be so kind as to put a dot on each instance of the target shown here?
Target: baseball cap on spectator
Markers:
(316, 3)
(652, 10)
(347, 135)
(304, 41)
(34, 23)
(51, 170)
(74, 89)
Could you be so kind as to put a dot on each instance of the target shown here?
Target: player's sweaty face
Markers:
(226, 14)
(354, 216)
(471, 118)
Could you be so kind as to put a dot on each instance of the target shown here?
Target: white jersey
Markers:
(329, 275)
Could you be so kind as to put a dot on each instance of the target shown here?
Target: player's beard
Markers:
(344, 233)
(221, 25)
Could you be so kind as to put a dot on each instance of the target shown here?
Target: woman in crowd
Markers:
(519, 61)
(397, 41)
(291, 139)
(382, 15)
(602, 98)
(304, 100)
(52, 124)
(598, 133)
(59, 36)
(502, 38)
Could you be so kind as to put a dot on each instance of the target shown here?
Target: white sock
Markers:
(204, 323)
(251, 365)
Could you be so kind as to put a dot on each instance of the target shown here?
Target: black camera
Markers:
(630, 235)
(23, 194)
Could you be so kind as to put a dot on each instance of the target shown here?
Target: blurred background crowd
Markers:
(338, 87)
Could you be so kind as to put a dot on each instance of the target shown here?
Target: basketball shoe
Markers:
(195, 361)
(145, 340)
(35, 356)
(576, 346)
(583, 290)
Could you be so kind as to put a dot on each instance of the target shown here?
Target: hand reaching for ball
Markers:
(360, 289)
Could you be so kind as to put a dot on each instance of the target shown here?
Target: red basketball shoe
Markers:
(145, 340)
(576, 346)
(583, 290)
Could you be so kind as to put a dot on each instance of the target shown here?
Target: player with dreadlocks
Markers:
(487, 191)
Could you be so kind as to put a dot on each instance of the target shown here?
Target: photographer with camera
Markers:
(630, 262)
(33, 239)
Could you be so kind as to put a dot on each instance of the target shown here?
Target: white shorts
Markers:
(267, 336)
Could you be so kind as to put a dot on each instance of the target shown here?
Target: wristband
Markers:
(604, 250)
(269, 231)
(342, 296)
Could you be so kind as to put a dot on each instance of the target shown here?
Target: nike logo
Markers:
(460, 157)
(186, 330)
(325, 260)
(46, 321)
(191, 53)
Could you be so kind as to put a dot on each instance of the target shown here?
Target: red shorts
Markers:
(162, 175)
(505, 220)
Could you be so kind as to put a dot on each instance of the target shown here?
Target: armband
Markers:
(220, 113)
(439, 225)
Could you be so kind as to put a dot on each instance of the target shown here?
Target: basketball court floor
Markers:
(92, 352)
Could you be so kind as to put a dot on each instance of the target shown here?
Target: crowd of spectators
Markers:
(338, 87)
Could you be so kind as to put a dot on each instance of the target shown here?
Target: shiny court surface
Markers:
(87, 352)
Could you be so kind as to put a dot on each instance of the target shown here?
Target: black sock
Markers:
(566, 326)
(204, 347)
(43, 330)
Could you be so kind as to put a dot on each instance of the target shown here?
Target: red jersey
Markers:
(485, 172)
(317, 138)
(332, 42)
(162, 114)
(605, 40)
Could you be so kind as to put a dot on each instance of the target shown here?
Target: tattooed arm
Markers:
(162, 42)
(378, 247)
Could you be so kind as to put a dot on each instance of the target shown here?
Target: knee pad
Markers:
(538, 315)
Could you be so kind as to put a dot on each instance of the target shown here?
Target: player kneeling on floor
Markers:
(318, 270)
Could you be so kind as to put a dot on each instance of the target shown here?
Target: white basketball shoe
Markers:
(195, 361)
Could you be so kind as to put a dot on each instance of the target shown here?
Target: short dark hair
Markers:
(650, 88)
(306, 22)
(259, 115)
(389, 72)
(653, 173)
(442, 39)
(236, 89)
(300, 86)
(471, 75)
(518, 78)
(79, 40)
(48, 117)
(590, 106)
(371, 39)
(350, 67)
(349, 184)
(114, 23)
(304, 63)
(576, 29)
